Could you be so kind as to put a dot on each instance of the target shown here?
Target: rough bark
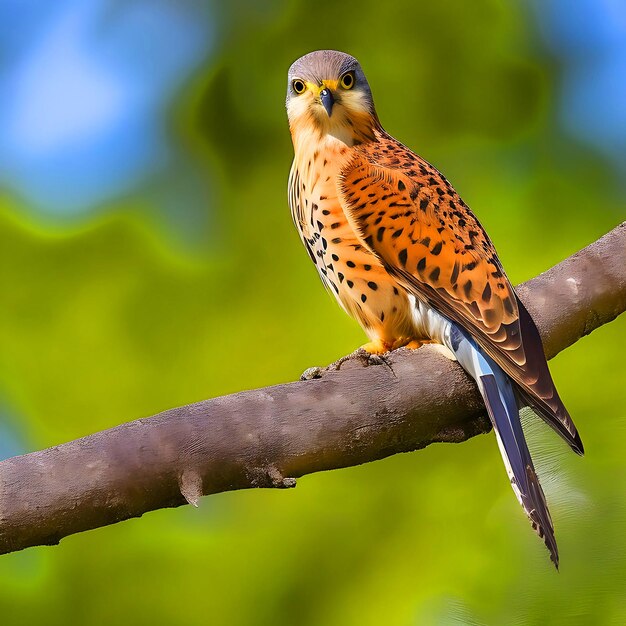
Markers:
(267, 437)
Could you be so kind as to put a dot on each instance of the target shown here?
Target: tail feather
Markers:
(541, 394)
(500, 400)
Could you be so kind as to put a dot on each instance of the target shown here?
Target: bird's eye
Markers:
(298, 86)
(347, 80)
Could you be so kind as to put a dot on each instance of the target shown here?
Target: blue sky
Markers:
(89, 85)
(588, 37)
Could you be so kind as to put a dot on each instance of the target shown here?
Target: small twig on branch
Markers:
(268, 437)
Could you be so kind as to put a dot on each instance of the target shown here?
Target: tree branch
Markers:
(268, 437)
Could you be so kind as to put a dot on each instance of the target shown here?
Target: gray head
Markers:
(328, 89)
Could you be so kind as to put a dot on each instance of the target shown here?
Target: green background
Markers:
(124, 312)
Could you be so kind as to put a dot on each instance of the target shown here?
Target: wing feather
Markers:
(412, 219)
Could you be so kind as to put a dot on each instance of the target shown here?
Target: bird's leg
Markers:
(369, 354)
(365, 356)
(378, 346)
(375, 351)
(414, 344)
(372, 353)
(360, 354)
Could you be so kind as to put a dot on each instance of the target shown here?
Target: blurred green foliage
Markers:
(110, 319)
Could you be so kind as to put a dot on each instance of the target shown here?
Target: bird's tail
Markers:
(502, 407)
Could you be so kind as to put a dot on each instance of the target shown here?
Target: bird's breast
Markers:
(349, 270)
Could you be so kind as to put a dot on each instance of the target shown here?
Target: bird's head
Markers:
(328, 94)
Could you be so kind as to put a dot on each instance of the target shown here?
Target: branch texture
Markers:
(354, 413)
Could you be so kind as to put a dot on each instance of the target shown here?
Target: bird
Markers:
(406, 257)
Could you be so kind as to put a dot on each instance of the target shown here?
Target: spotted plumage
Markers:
(404, 255)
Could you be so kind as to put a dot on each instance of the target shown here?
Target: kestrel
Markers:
(405, 256)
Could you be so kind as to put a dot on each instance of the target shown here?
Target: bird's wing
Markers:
(412, 219)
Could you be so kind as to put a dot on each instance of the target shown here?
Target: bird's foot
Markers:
(360, 355)
(363, 358)
(372, 353)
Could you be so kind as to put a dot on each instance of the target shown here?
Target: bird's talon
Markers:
(358, 354)
(375, 359)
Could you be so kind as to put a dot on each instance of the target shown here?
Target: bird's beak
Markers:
(327, 99)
